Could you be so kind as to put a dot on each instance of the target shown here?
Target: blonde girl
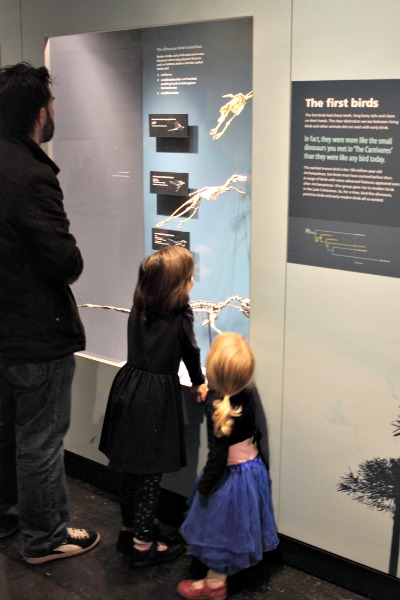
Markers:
(230, 523)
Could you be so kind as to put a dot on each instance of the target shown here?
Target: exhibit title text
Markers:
(167, 49)
(343, 103)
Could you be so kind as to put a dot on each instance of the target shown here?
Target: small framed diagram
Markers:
(169, 184)
(168, 237)
(169, 125)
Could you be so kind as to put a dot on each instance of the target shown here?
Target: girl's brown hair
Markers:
(163, 279)
(230, 368)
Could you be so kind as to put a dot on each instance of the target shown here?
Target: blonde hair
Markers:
(230, 368)
(163, 278)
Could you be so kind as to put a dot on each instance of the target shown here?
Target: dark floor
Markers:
(102, 574)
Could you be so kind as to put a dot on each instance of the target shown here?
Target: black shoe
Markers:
(125, 538)
(140, 559)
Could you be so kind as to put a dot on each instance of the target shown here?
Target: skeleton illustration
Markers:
(211, 309)
(234, 106)
(177, 127)
(178, 183)
(123, 310)
(192, 204)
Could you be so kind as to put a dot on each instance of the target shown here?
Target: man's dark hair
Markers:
(24, 90)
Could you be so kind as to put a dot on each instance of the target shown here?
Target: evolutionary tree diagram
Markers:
(344, 244)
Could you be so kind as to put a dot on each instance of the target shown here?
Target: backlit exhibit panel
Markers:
(202, 71)
(154, 140)
(98, 146)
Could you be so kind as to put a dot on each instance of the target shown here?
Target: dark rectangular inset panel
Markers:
(166, 205)
(187, 145)
(173, 145)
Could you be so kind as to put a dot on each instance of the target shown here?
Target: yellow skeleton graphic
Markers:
(234, 106)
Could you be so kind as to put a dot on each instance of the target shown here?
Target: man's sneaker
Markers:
(5, 533)
(77, 542)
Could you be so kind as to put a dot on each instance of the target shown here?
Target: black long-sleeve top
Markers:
(245, 426)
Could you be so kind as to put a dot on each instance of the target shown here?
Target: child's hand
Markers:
(199, 392)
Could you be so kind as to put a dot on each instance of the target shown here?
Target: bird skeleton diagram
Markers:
(212, 309)
(178, 183)
(122, 310)
(209, 308)
(235, 106)
(177, 127)
(192, 204)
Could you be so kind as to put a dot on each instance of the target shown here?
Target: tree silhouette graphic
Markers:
(377, 484)
(396, 424)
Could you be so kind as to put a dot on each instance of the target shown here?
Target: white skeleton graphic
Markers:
(178, 183)
(192, 204)
(211, 309)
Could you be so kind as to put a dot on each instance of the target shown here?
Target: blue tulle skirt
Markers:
(231, 528)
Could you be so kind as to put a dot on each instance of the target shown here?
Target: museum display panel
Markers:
(339, 489)
(344, 198)
(154, 135)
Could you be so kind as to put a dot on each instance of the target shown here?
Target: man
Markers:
(40, 328)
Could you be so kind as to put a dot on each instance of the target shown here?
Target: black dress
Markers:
(143, 429)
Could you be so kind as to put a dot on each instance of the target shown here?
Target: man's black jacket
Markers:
(39, 258)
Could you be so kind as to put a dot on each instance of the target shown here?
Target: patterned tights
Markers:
(138, 499)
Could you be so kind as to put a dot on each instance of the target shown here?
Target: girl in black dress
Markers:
(143, 431)
(230, 523)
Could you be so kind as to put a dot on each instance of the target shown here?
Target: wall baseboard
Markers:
(319, 563)
(339, 571)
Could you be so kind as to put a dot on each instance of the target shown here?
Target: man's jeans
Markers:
(35, 408)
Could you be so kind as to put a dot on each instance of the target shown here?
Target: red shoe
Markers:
(186, 589)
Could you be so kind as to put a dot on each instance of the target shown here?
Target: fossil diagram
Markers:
(235, 106)
(209, 309)
(191, 206)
